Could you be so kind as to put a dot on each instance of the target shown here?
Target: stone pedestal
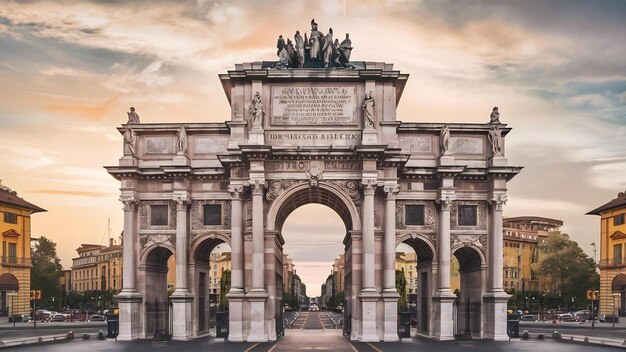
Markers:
(128, 160)
(182, 306)
(180, 160)
(235, 316)
(447, 160)
(256, 136)
(443, 328)
(370, 136)
(495, 315)
(131, 324)
(497, 160)
(257, 299)
(369, 299)
(390, 328)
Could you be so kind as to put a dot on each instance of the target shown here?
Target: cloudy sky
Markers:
(69, 70)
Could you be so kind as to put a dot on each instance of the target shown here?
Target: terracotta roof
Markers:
(618, 202)
(10, 197)
(536, 219)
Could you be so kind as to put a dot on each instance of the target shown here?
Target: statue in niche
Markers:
(256, 110)
(495, 116)
(444, 139)
(328, 47)
(181, 144)
(368, 110)
(495, 138)
(315, 42)
(133, 118)
(299, 49)
(280, 44)
(130, 139)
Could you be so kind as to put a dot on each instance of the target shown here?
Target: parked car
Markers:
(566, 317)
(58, 317)
(96, 317)
(582, 315)
(528, 317)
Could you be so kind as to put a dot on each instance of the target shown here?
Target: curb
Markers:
(577, 339)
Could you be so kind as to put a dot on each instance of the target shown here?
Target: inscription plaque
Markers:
(210, 144)
(160, 145)
(416, 144)
(466, 145)
(312, 106)
(313, 138)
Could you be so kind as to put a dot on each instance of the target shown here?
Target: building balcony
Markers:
(612, 262)
(15, 261)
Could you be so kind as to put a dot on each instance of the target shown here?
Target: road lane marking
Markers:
(372, 346)
(251, 348)
(274, 346)
(353, 348)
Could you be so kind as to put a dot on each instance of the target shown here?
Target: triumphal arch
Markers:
(313, 127)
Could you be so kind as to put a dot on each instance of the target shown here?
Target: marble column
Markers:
(369, 295)
(258, 295)
(390, 294)
(182, 298)
(495, 299)
(129, 298)
(236, 293)
(444, 298)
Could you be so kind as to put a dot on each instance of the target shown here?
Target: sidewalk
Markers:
(5, 325)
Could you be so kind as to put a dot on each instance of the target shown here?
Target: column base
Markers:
(443, 328)
(257, 299)
(495, 315)
(182, 307)
(390, 325)
(235, 315)
(369, 299)
(130, 315)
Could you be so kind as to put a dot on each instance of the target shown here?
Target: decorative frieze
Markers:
(149, 240)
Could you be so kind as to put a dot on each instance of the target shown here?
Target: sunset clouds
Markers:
(69, 70)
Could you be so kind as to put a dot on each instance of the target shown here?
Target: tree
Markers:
(224, 289)
(564, 261)
(401, 288)
(45, 273)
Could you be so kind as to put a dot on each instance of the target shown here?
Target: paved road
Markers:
(329, 340)
(575, 329)
(313, 321)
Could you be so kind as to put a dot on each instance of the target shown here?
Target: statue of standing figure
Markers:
(495, 138)
(368, 110)
(494, 118)
(280, 44)
(315, 42)
(299, 49)
(346, 48)
(256, 110)
(133, 118)
(444, 140)
(130, 139)
(181, 144)
(328, 47)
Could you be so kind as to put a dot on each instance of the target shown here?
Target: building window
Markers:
(12, 252)
(468, 215)
(158, 215)
(212, 214)
(414, 214)
(617, 253)
(10, 218)
(617, 219)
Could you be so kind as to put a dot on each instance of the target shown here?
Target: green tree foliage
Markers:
(224, 289)
(401, 288)
(45, 273)
(290, 300)
(572, 270)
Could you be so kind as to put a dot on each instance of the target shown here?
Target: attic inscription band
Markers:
(313, 138)
(313, 106)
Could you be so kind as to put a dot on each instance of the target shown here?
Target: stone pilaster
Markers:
(495, 299)
(444, 298)
(390, 294)
(236, 293)
(182, 298)
(369, 295)
(257, 295)
(129, 298)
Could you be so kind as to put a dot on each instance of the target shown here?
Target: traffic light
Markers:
(35, 294)
(592, 295)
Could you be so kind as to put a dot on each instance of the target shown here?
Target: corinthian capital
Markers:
(129, 201)
(369, 185)
(182, 201)
(236, 191)
(498, 200)
(391, 191)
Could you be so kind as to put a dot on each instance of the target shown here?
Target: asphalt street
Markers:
(601, 330)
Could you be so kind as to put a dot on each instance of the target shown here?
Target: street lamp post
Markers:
(594, 251)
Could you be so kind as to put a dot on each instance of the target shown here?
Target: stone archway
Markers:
(468, 306)
(618, 287)
(156, 308)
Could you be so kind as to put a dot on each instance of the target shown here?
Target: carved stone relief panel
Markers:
(145, 216)
(148, 240)
(197, 215)
(465, 240)
(481, 221)
(430, 215)
(275, 188)
(351, 187)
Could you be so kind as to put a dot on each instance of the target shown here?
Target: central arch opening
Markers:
(315, 222)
